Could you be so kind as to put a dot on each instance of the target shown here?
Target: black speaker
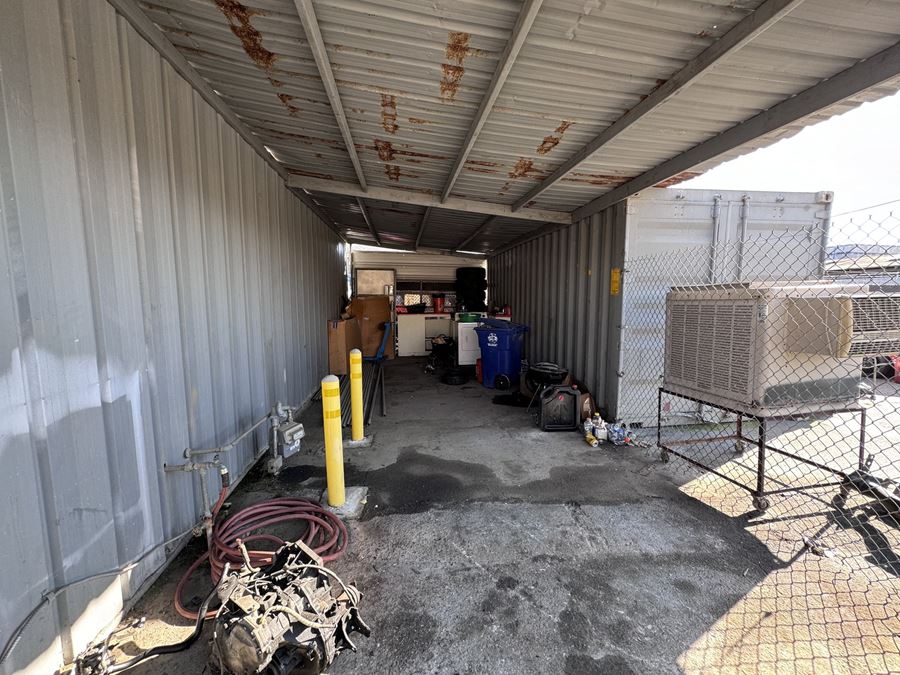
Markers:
(559, 409)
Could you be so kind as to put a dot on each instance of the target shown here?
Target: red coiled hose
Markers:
(325, 534)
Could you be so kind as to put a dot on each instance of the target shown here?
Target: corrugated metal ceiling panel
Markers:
(815, 41)
(411, 76)
(446, 229)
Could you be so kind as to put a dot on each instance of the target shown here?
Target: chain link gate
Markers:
(817, 476)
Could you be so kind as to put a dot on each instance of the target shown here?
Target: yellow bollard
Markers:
(356, 395)
(334, 444)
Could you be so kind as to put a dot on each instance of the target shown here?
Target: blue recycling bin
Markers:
(501, 351)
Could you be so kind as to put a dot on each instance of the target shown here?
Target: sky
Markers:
(855, 155)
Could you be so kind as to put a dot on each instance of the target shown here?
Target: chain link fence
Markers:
(767, 373)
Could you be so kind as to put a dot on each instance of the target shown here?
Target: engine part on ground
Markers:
(292, 617)
(325, 534)
(97, 659)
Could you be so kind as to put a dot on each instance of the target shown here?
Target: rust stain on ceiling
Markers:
(450, 80)
(679, 178)
(238, 17)
(418, 120)
(521, 168)
(457, 46)
(457, 49)
(553, 139)
(389, 113)
(599, 179)
(291, 108)
(239, 20)
(385, 150)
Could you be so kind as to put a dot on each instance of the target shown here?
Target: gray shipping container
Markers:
(573, 287)
(161, 289)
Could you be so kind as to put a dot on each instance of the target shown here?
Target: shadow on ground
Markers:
(489, 546)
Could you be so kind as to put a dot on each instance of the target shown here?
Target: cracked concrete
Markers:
(489, 546)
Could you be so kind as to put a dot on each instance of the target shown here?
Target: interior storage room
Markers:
(382, 337)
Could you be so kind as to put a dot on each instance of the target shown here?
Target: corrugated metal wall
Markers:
(160, 289)
(558, 285)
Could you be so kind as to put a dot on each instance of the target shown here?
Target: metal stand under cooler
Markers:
(848, 481)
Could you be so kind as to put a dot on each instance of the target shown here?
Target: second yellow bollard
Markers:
(334, 444)
(357, 431)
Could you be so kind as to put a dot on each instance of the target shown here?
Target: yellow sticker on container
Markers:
(615, 281)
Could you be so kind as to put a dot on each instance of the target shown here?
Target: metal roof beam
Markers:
(764, 17)
(526, 18)
(866, 74)
(365, 215)
(481, 228)
(422, 224)
(320, 54)
(422, 199)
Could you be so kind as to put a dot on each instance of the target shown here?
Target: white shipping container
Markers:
(594, 293)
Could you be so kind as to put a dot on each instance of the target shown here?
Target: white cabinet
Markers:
(411, 335)
(415, 331)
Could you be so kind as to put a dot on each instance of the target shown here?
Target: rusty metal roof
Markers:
(411, 76)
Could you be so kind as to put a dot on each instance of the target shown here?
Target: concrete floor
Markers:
(489, 546)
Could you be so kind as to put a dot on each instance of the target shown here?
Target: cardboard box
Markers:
(343, 336)
(372, 312)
